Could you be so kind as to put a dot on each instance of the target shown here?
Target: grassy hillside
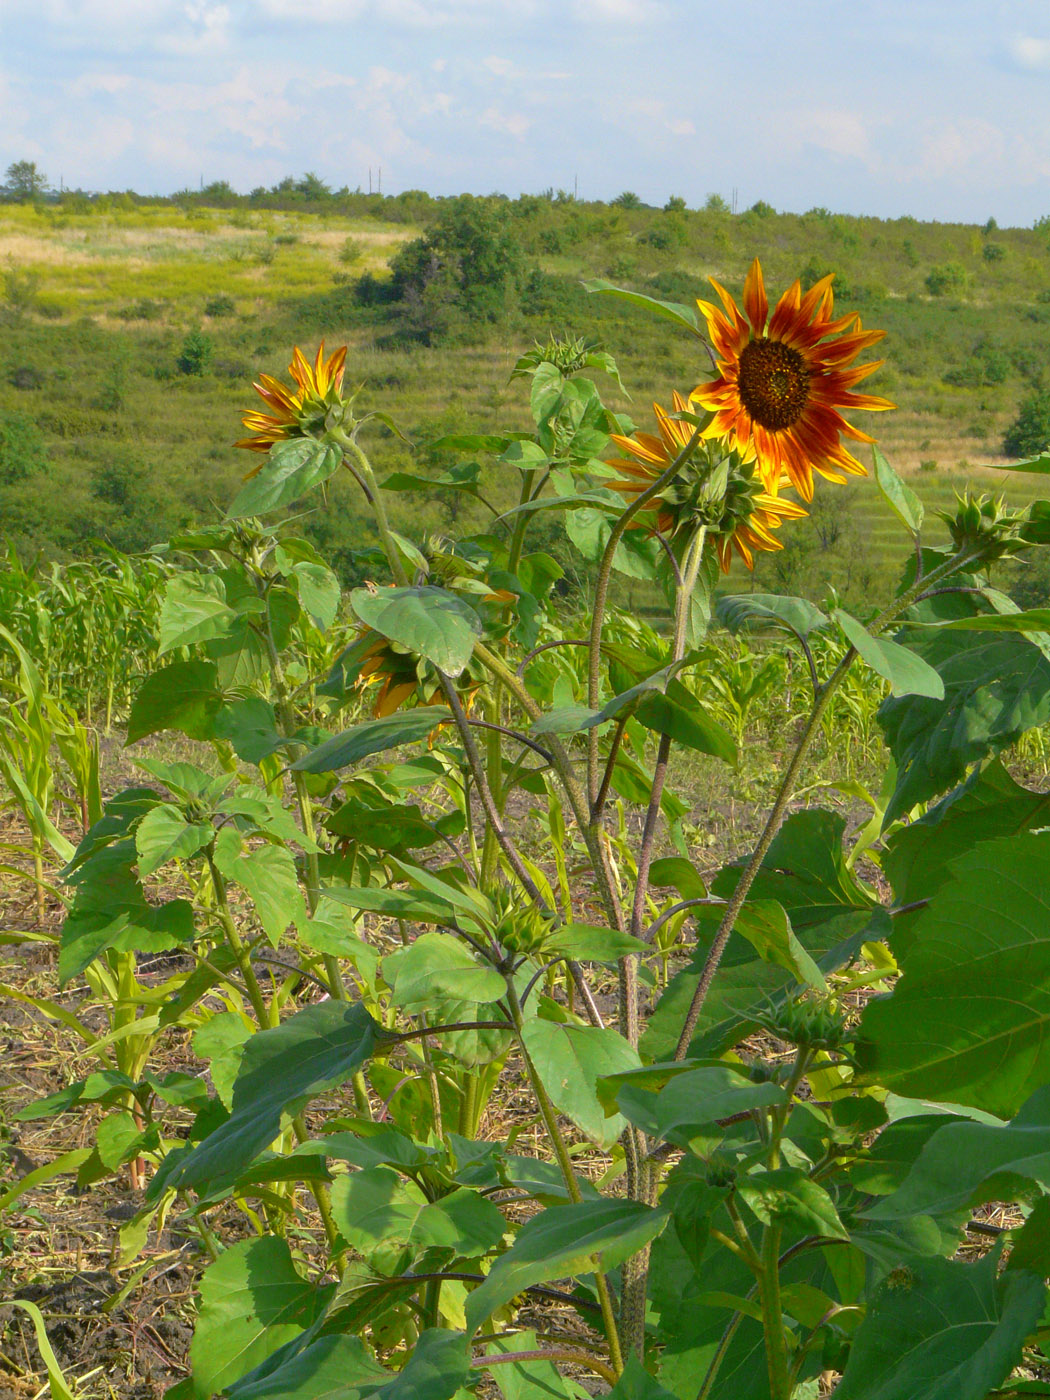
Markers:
(103, 434)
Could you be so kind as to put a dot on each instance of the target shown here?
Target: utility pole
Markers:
(379, 187)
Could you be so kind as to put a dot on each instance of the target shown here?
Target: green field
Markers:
(103, 437)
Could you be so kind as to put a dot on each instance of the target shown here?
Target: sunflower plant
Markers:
(450, 1082)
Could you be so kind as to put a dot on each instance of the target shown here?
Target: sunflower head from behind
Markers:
(301, 411)
(785, 379)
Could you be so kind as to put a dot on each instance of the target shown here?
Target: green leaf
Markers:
(319, 592)
(692, 1100)
(376, 1208)
(969, 1020)
(420, 905)
(900, 498)
(525, 455)
(1040, 466)
(439, 964)
(56, 1380)
(670, 310)
(340, 1368)
(252, 1301)
(907, 673)
(268, 874)
(372, 736)
(1032, 620)
(289, 470)
(561, 1242)
(568, 1060)
(767, 928)
(281, 1069)
(184, 696)
(251, 727)
(937, 1329)
(429, 622)
(590, 943)
(636, 1383)
(740, 611)
(966, 1163)
(917, 859)
(530, 1380)
(788, 1194)
(685, 720)
(110, 910)
(164, 834)
(194, 609)
(996, 687)
(680, 874)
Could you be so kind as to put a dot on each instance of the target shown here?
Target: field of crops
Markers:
(462, 933)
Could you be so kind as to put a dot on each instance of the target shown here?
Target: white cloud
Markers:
(1030, 52)
(510, 123)
(838, 130)
(617, 11)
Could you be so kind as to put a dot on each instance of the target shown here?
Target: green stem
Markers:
(561, 1152)
(784, 793)
(240, 952)
(374, 495)
(773, 1316)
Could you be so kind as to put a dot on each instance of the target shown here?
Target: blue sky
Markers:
(938, 110)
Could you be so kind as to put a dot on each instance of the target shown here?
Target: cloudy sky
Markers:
(924, 107)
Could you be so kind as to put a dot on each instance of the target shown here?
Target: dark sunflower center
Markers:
(773, 383)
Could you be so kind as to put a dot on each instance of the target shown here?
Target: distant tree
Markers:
(627, 200)
(18, 293)
(761, 209)
(469, 262)
(993, 252)
(196, 355)
(675, 205)
(1029, 433)
(311, 186)
(946, 278)
(990, 226)
(25, 181)
(219, 189)
(715, 204)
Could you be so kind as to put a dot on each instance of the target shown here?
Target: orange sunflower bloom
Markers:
(739, 516)
(784, 380)
(298, 412)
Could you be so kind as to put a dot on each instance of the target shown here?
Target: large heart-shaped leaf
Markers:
(996, 685)
(563, 1241)
(938, 1329)
(569, 1060)
(907, 673)
(969, 1020)
(290, 470)
(430, 622)
(737, 611)
(372, 736)
(317, 1049)
(252, 1301)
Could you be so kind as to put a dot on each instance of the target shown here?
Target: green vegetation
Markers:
(102, 295)
(404, 978)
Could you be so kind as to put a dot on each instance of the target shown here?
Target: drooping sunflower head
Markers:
(298, 412)
(716, 487)
(390, 676)
(784, 381)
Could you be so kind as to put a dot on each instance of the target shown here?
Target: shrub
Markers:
(1029, 433)
(25, 377)
(946, 278)
(993, 252)
(22, 450)
(221, 305)
(352, 250)
(196, 355)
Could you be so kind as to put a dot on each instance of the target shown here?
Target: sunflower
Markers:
(393, 676)
(781, 386)
(300, 412)
(716, 487)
